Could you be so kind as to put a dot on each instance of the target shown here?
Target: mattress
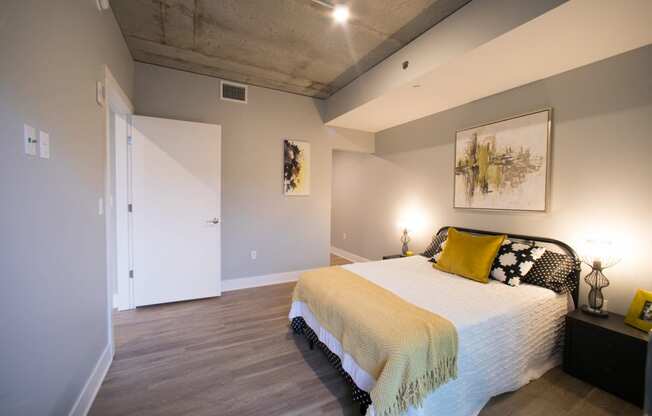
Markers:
(508, 336)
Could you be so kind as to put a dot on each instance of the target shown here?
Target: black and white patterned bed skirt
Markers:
(299, 326)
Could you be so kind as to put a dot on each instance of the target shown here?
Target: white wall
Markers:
(601, 171)
(288, 233)
(53, 296)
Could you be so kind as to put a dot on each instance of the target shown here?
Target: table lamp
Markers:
(405, 239)
(599, 255)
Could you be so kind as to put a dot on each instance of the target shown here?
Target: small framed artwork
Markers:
(640, 311)
(504, 165)
(296, 167)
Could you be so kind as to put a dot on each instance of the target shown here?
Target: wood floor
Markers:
(235, 355)
(338, 261)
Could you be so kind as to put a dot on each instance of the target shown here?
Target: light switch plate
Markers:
(29, 137)
(44, 144)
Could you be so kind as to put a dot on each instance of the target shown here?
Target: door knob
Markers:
(213, 221)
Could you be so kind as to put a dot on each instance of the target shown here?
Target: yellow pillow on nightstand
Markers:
(469, 255)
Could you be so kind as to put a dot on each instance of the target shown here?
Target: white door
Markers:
(176, 210)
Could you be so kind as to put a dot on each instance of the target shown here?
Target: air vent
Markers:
(231, 91)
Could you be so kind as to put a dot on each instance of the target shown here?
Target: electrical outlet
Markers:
(253, 254)
(343, 236)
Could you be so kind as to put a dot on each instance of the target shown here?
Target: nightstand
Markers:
(606, 353)
(393, 256)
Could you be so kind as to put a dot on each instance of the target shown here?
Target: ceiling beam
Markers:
(574, 34)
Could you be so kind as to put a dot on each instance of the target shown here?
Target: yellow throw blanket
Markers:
(408, 350)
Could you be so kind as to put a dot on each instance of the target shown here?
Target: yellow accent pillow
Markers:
(468, 255)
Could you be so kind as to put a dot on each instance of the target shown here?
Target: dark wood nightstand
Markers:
(393, 256)
(606, 353)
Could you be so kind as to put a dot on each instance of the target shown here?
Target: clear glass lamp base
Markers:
(595, 312)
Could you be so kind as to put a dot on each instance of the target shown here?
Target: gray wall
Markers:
(289, 233)
(53, 300)
(601, 171)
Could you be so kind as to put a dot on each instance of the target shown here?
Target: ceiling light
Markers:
(341, 13)
(103, 4)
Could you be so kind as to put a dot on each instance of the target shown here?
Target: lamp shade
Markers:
(411, 220)
(600, 253)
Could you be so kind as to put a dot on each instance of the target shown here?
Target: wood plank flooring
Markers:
(338, 261)
(235, 355)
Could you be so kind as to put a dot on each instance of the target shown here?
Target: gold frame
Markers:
(635, 309)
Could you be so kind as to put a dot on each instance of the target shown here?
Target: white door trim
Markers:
(115, 94)
(117, 100)
(123, 221)
(128, 299)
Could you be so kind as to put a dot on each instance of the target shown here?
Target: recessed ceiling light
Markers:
(103, 5)
(341, 13)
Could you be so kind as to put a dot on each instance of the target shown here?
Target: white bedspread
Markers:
(508, 336)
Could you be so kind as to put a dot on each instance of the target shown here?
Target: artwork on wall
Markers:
(504, 165)
(296, 167)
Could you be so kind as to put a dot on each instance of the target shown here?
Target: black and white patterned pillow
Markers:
(514, 260)
(553, 271)
(435, 246)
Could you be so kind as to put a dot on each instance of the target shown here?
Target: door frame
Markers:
(116, 101)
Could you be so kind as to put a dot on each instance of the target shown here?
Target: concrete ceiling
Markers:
(288, 45)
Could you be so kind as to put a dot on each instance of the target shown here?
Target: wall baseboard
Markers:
(348, 255)
(87, 396)
(262, 280)
(276, 278)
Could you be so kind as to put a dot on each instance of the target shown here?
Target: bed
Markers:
(507, 336)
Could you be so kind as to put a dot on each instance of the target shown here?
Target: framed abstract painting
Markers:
(504, 165)
(296, 167)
